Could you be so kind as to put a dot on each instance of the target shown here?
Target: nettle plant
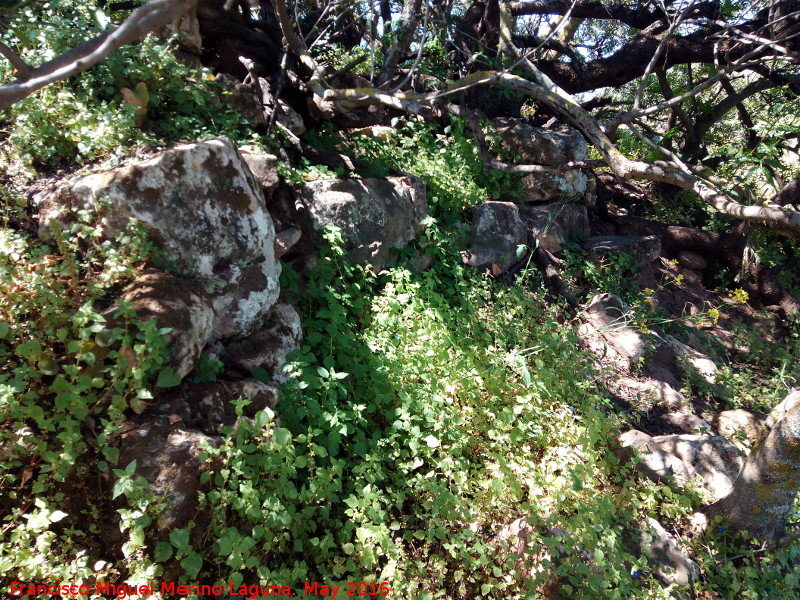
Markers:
(66, 381)
(424, 411)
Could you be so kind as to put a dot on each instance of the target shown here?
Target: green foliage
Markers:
(446, 158)
(87, 118)
(65, 384)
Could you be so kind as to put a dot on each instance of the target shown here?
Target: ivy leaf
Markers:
(167, 378)
(179, 538)
(260, 374)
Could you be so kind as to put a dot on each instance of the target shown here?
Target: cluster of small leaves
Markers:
(446, 158)
(401, 448)
(89, 116)
(67, 375)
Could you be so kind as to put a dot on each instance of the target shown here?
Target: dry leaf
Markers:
(496, 271)
(173, 418)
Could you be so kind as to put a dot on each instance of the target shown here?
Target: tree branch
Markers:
(142, 21)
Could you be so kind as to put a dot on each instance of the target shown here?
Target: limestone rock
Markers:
(374, 215)
(534, 145)
(168, 457)
(556, 223)
(497, 232)
(692, 360)
(743, 422)
(607, 316)
(642, 249)
(656, 463)
(264, 167)
(687, 423)
(712, 457)
(671, 565)
(206, 212)
(266, 348)
(173, 303)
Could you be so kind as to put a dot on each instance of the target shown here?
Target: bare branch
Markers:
(142, 21)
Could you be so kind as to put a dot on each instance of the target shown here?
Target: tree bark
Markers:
(762, 497)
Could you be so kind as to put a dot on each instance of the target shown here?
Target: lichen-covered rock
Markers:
(176, 304)
(534, 145)
(712, 457)
(267, 348)
(497, 232)
(205, 210)
(209, 406)
(643, 249)
(168, 456)
(374, 215)
(764, 494)
(556, 223)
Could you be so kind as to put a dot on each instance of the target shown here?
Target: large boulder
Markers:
(374, 215)
(497, 232)
(713, 458)
(550, 147)
(557, 223)
(671, 566)
(206, 212)
(175, 304)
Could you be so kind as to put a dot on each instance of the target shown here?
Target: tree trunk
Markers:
(762, 497)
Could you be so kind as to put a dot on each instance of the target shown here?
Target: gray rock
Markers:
(713, 458)
(544, 187)
(179, 305)
(661, 392)
(267, 348)
(553, 147)
(169, 457)
(264, 167)
(497, 232)
(606, 316)
(205, 210)
(693, 361)
(209, 406)
(670, 564)
(688, 423)
(691, 260)
(243, 99)
(374, 215)
(556, 223)
(656, 463)
(534, 145)
(740, 423)
(643, 249)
